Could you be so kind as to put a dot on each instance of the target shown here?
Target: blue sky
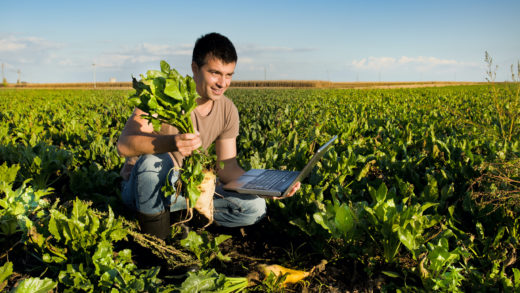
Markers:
(58, 41)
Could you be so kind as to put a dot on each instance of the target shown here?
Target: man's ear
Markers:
(194, 67)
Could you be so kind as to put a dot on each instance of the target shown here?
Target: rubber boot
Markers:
(157, 225)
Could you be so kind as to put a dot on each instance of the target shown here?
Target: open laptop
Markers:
(275, 182)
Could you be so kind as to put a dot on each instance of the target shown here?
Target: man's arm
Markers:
(227, 153)
(226, 150)
(138, 138)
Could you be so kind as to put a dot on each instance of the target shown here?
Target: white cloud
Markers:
(17, 50)
(17, 44)
(419, 63)
(374, 63)
(427, 61)
(246, 60)
(258, 50)
(9, 44)
(163, 50)
(142, 53)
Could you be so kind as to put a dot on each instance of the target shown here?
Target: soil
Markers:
(263, 243)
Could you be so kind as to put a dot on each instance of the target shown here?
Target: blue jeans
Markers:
(142, 192)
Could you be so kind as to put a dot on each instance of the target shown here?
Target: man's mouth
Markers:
(217, 91)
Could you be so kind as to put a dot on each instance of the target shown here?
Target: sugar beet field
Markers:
(420, 193)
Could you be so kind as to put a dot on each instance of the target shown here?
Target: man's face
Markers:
(213, 78)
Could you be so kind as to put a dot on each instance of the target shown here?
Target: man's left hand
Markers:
(295, 188)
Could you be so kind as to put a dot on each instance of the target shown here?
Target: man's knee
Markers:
(256, 209)
(260, 207)
(239, 210)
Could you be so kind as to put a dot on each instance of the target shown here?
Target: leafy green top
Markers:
(166, 97)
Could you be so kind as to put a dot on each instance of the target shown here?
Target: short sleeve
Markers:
(231, 121)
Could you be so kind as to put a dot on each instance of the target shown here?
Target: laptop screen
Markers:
(317, 156)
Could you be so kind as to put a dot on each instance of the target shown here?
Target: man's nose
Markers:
(221, 81)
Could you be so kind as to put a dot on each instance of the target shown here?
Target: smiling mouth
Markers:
(217, 91)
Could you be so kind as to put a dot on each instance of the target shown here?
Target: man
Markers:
(151, 155)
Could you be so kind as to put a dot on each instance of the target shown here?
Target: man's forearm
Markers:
(230, 172)
(145, 143)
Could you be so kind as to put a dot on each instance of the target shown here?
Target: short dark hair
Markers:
(215, 45)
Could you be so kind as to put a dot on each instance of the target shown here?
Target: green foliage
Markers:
(82, 228)
(5, 271)
(55, 134)
(420, 190)
(273, 283)
(169, 98)
(398, 177)
(442, 274)
(211, 281)
(16, 206)
(35, 285)
(397, 223)
(507, 107)
(204, 248)
(166, 97)
(79, 246)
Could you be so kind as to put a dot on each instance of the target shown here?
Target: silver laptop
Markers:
(275, 182)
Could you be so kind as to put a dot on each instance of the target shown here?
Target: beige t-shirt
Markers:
(222, 122)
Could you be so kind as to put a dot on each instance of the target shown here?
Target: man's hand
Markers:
(186, 143)
(295, 188)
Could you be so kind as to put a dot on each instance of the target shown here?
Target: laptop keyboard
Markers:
(269, 179)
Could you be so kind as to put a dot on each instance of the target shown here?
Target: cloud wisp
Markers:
(18, 50)
(420, 63)
(255, 50)
(143, 53)
(12, 44)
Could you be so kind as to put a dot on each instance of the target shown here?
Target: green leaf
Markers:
(344, 219)
(381, 192)
(7, 176)
(407, 238)
(35, 285)
(211, 281)
(152, 74)
(102, 258)
(171, 89)
(516, 277)
(193, 242)
(193, 192)
(365, 170)
(5, 271)
(391, 274)
(202, 281)
(318, 218)
(221, 238)
(165, 67)
(152, 103)
(75, 277)
(157, 124)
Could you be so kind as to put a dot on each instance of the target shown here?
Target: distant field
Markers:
(264, 83)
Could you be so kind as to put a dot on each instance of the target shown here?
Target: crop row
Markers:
(420, 191)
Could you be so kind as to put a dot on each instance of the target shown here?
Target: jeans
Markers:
(142, 192)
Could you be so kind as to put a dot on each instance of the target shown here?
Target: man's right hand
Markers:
(186, 143)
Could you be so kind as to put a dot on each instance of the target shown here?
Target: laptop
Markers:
(275, 182)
